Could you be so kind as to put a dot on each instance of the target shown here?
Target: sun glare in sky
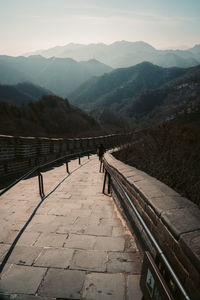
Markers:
(29, 25)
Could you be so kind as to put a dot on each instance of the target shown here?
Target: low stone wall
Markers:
(173, 220)
(20, 154)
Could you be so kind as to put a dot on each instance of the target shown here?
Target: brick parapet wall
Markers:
(173, 220)
(20, 154)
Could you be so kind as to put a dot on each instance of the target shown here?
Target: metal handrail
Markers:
(48, 164)
(148, 232)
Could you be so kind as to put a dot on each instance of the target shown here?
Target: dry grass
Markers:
(170, 153)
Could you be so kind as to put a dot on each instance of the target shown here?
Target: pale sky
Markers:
(29, 25)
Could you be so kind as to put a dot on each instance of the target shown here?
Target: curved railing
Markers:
(153, 210)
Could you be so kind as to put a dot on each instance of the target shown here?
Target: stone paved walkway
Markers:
(77, 246)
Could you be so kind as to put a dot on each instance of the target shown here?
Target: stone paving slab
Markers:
(28, 238)
(109, 243)
(29, 297)
(76, 241)
(22, 279)
(55, 258)
(65, 284)
(134, 291)
(51, 240)
(24, 255)
(104, 287)
(124, 262)
(90, 260)
(77, 246)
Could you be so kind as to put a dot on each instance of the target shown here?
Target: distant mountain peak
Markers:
(137, 43)
(122, 54)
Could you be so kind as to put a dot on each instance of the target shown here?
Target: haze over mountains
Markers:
(60, 75)
(144, 93)
(125, 54)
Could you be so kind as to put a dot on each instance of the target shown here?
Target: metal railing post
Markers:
(100, 166)
(67, 167)
(79, 160)
(41, 184)
(104, 182)
(109, 183)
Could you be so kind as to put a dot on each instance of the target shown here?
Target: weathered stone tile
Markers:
(45, 228)
(100, 286)
(103, 213)
(55, 258)
(190, 243)
(22, 279)
(110, 221)
(65, 220)
(118, 231)
(165, 203)
(24, 255)
(81, 212)
(42, 219)
(101, 230)
(51, 240)
(182, 220)
(66, 284)
(3, 250)
(59, 211)
(134, 291)
(77, 229)
(28, 238)
(29, 297)
(124, 262)
(87, 220)
(8, 237)
(89, 260)
(109, 244)
(80, 241)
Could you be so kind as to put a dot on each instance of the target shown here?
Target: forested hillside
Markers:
(49, 116)
(143, 95)
(21, 93)
(171, 153)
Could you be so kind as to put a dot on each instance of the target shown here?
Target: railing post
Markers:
(109, 183)
(100, 166)
(79, 159)
(104, 182)
(88, 155)
(41, 185)
(67, 167)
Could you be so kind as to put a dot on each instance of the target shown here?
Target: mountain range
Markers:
(60, 75)
(125, 54)
(142, 93)
(21, 93)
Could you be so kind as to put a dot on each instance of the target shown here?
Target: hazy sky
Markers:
(27, 25)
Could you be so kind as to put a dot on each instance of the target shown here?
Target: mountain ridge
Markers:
(60, 75)
(148, 93)
(49, 116)
(122, 82)
(21, 93)
(125, 54)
